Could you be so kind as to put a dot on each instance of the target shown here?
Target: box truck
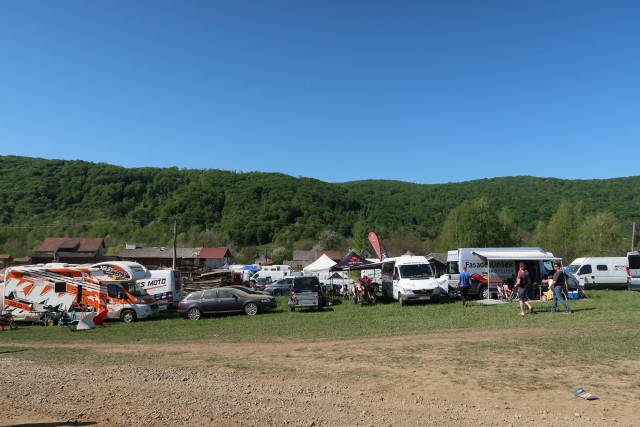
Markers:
(29, 289)
(600, 272)
(410, 278)
(493, 267)
(165, 286)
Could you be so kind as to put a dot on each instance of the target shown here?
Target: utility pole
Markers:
(633, 235)
(175, 237)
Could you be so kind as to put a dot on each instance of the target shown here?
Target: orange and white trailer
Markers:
(28, 289)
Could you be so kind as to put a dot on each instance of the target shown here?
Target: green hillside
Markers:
(54, 198)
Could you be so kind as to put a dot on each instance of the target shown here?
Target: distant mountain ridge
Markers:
(77, 198)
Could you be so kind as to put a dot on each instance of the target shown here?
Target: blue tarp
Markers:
(250, 268)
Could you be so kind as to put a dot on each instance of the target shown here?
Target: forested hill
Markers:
(75, 198)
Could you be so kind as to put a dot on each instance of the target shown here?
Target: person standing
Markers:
(556, 285)
(464, 284)
(523, 284)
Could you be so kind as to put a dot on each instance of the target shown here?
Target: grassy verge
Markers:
(604, 327)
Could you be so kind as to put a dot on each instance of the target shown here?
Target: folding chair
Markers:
(68, 320)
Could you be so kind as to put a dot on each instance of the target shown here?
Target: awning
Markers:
(511, 255)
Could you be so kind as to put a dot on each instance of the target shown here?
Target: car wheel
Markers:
(128, 316)
(401, 300)
(277, 293)
(251, 309)
(194, 314)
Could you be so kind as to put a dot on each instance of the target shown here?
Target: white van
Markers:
(600, 273)
(410, 279)
(273, 272)
(165, 286)
(633, 271)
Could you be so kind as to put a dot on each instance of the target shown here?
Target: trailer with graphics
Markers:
(111, 285)
(493, 267)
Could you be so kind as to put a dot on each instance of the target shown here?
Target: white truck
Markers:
(493, 267)
(410, 279)
(273, 272)
(165, 286)
(600, 272)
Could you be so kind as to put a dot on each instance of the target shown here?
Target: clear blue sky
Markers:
(418, 91)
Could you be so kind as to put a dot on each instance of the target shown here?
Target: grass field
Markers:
(604, 326)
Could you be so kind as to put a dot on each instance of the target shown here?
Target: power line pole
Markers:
(633, 235)
(175, 237)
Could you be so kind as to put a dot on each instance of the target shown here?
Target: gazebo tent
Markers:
(322, 264)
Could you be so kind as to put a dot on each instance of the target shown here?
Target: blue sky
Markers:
(416, 91)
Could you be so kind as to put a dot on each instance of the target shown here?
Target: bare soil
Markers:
(427, 380)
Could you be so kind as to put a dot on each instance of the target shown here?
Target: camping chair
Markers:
(68, 320)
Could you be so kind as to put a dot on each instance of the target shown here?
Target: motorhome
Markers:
(273, 272)
(633, 271)
(165, 286)
(28, 289)
(410, 278)
(493, 267)
(601, 272)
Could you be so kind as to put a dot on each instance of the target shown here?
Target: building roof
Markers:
(214, 253)
(5, 256)
(160, 252)
(66, 244)
(437, 256)
(334, 255)
(309, 256)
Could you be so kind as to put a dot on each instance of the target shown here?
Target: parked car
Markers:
(247, 290)
(223, 300)
(279, 287)
(261, 282)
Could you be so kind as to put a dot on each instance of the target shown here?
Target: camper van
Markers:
(273, 272)
(28, 289)
(600, 273)
(493, 267)
(633, 271)
(410, 278)
(165, 286)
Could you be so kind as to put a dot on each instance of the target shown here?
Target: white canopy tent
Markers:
(321, 265)
(512, 254)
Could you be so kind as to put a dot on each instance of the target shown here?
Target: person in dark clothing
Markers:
(556, 285)
(523, 284)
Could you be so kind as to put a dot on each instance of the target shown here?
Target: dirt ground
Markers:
(428, 380)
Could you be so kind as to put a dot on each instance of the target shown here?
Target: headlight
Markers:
(406, 291)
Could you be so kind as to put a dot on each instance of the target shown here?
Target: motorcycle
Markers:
(6, 319)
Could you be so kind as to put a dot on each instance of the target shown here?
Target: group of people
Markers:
(556, 283)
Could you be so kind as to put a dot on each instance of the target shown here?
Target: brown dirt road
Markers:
(427, 380)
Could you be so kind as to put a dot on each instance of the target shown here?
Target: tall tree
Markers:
(560, 236)
(600, 234)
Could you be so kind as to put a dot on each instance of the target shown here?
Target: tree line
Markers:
(59, 198)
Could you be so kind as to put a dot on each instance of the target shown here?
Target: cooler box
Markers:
(573, 295)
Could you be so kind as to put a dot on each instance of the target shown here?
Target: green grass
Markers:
(604, 327)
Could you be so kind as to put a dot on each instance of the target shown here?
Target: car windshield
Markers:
(134, 289)
(572, 269)
(415, 271)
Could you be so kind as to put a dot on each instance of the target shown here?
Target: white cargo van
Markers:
(165, 286)
(273, 272)
(410, 279)
(600, 273)
(633, 271)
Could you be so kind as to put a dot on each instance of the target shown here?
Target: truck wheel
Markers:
(194, 314)
(128, 316)
(483, 292)
(251, 309)
(13, 325)
(401, 300)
